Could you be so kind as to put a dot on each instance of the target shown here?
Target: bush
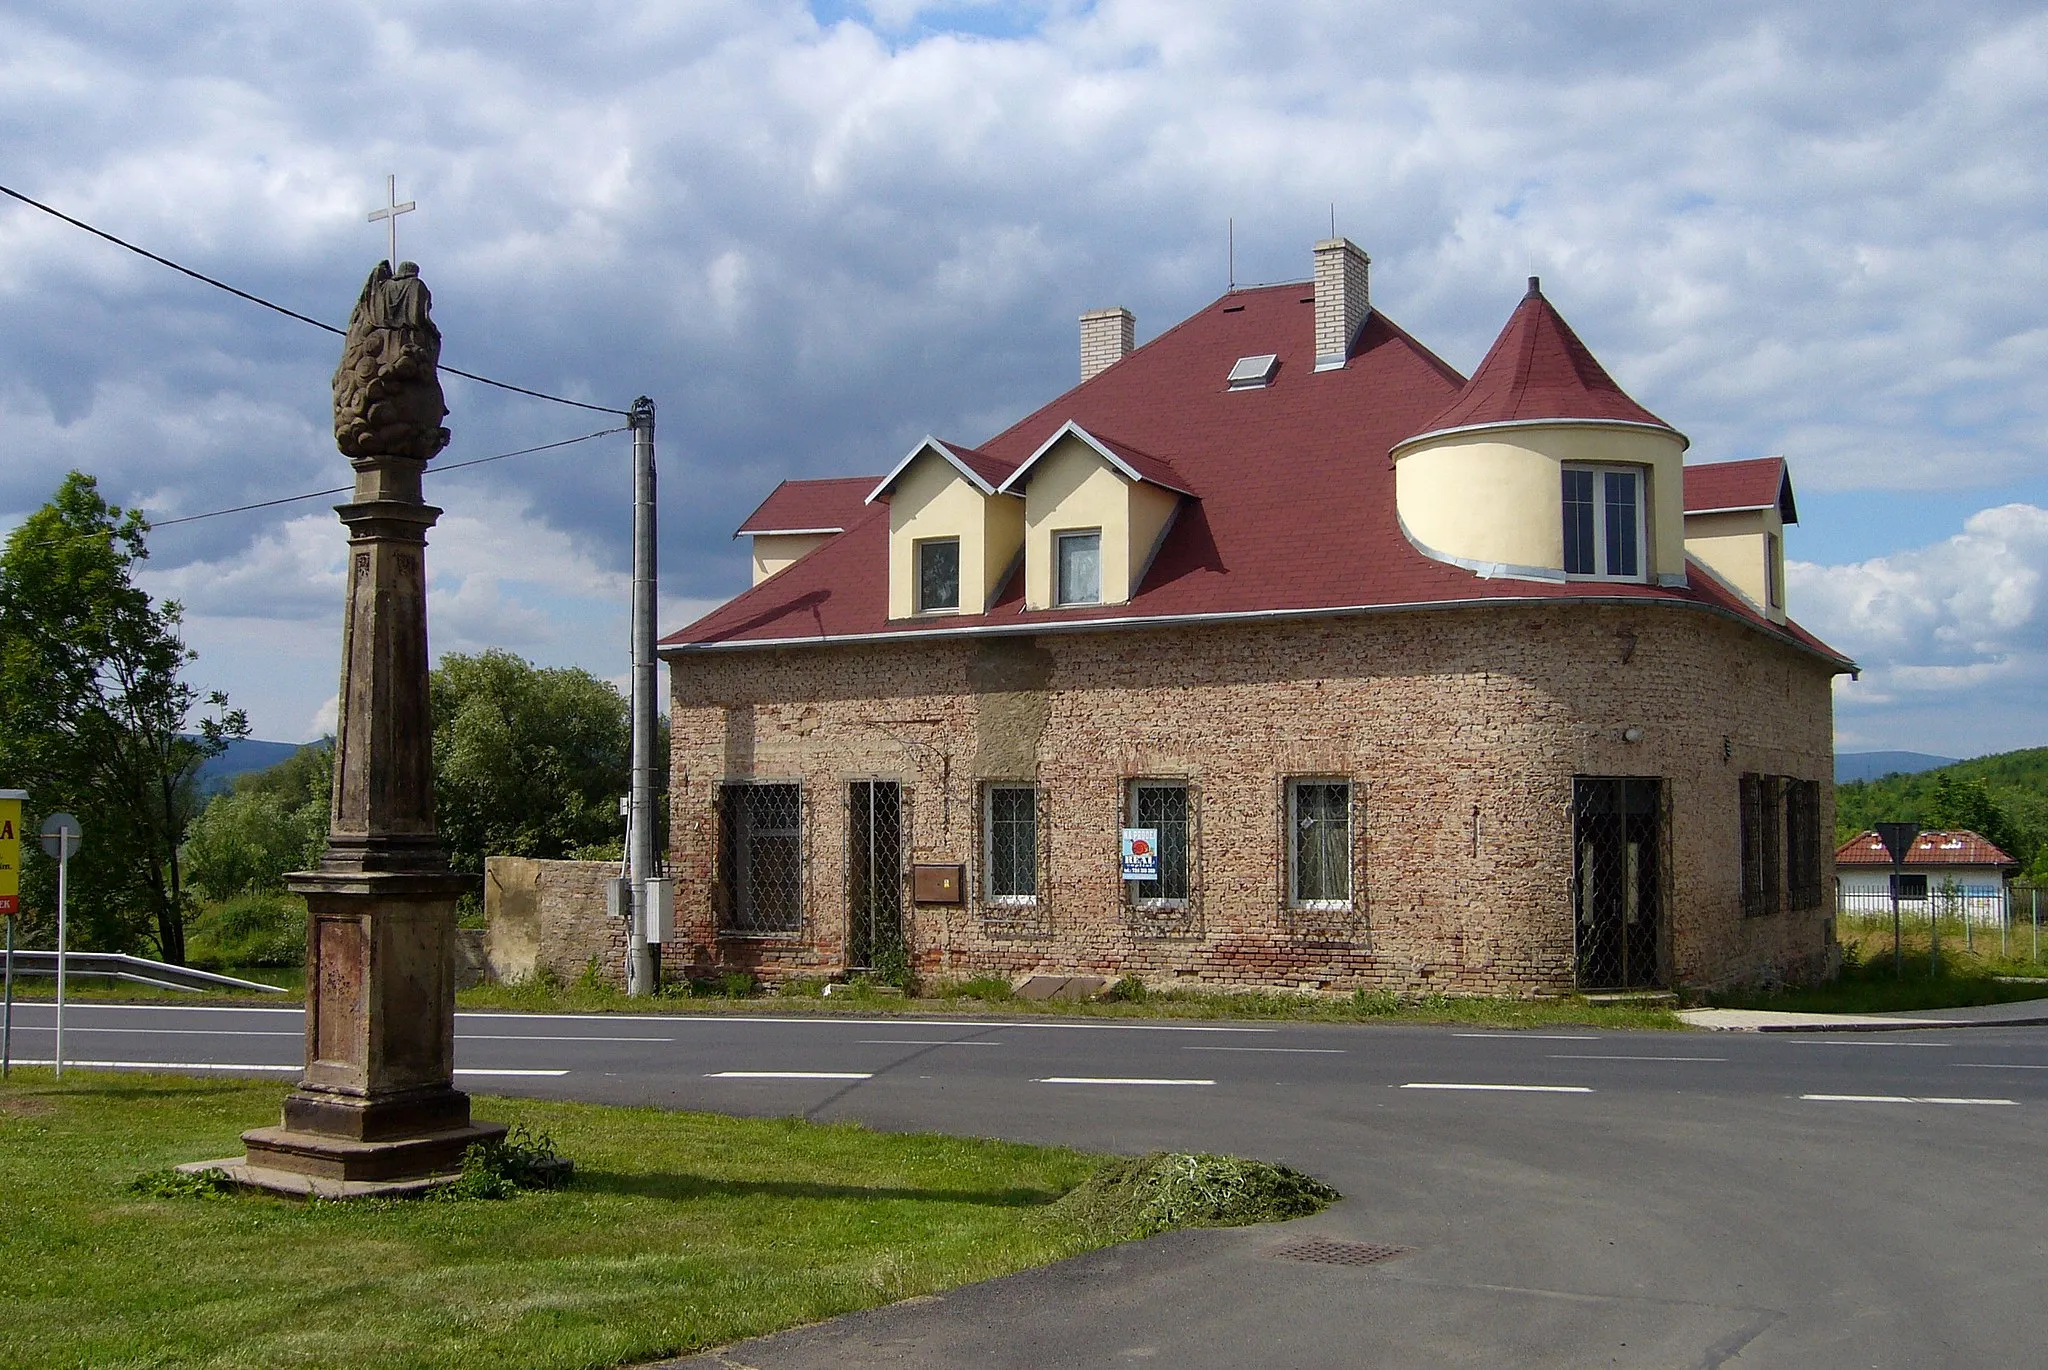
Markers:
(251, 929)
(1129, 990)
(246, 841)
(498, 1170)
(737, 984)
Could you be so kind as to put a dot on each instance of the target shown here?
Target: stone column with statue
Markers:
(377, 1109)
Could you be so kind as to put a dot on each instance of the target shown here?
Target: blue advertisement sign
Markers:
(1141, 853)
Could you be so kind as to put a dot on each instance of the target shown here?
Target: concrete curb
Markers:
(1819, 1023)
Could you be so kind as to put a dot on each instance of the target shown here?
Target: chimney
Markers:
(1106, 339)
(1342, 300)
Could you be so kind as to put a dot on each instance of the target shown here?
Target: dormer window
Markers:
(1603, 522)
(1080, 567)
(938, 576)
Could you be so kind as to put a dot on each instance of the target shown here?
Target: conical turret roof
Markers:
(1538, 369)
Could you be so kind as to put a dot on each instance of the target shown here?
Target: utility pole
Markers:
(640, 969)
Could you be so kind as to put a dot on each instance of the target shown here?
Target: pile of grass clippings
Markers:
(1127, 1200)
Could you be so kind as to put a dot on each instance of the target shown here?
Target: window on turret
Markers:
(1603, 522)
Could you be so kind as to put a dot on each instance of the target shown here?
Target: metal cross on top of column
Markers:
(392, 209)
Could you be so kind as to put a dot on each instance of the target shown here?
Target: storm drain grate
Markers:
(1338, 1253)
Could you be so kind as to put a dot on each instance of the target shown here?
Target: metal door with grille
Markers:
(1618, 880)
(874, 875)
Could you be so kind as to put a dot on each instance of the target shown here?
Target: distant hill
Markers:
(249, 754)
(2013, 784)
(1877, 765)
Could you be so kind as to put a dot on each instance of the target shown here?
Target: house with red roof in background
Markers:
(1275, 653)
(1959, 874)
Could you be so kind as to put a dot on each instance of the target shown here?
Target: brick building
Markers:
(1398, 679)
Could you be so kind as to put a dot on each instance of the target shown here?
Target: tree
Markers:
(95, 717)
(528, 760)
(267, 824)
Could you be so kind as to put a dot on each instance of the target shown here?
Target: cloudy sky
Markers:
(814, 233)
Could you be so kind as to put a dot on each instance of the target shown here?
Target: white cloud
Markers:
(1952, 637)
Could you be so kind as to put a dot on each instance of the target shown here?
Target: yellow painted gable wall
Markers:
(1737, 547)
(933, 500)
(1496, 496)
(777, 551)
(1072, 489)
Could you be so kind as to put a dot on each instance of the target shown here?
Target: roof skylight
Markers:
(1250, 373)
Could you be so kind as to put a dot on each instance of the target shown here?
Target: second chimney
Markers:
(1342, 300)
(1107, 336)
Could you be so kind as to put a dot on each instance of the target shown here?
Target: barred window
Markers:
(761, 857)
(1752, 802)
(1802, 844)
(1319, 848)
(1163, 806)
(1010, 862)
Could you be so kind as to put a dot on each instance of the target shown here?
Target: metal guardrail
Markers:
(136, 969)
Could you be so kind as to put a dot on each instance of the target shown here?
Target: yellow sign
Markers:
(10, 851)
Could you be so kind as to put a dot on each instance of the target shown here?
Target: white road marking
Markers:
(463, 1071)
(1901, 1099)
(1295, 1051)
(159, 1065)
(1104, 1080)
(1507, 1089)
(790, 1075)
(530, 1037)
(919, 1042)
(1991, 1065)
(714, 1019)
(1533, 1036)
(1556, 1056)
(168, 1032)
(1839, 1042)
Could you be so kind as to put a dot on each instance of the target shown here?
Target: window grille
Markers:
(1168, 906)
(876, 826)
(761, 858)
(1751, 799)
(1773, 832)
(1802, 844)
(1618, 825)
(1014, 857)
(1319, 854)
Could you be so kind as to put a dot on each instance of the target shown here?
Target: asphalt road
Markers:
(1563, 1198)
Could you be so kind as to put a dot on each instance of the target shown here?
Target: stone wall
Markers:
(1460, 729)
(549, 916)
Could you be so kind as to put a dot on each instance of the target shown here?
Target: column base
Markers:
(424, 1157)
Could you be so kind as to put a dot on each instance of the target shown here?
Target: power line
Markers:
(342, 489)
(288, 313)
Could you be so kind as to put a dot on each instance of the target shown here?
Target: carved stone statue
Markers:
(387, 394)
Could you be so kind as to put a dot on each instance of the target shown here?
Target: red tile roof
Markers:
(1959, 848)
(810, 506)
(1538, 369)
(1296, 509)
(1740, 485)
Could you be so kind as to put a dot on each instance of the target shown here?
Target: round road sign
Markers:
(62, 837)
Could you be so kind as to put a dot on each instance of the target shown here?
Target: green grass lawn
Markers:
(681, 1231)
(1972, 971)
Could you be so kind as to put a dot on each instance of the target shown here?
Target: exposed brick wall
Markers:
(1432, 715)
(549, 916)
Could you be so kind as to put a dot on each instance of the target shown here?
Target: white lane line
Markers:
(459, 1070)
(672, 1021)
(919, 1042)
(1839, 1042)
(1901, 1099)
(81, 1005)
(1505, 1089)
(529, 1037)
(1292, 1051)
(1565, 1056)
(1991, 1065)
(789, 1075)
(1533, 1036)
(160, 1065)
(169, 1032)
(1105, 1080)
